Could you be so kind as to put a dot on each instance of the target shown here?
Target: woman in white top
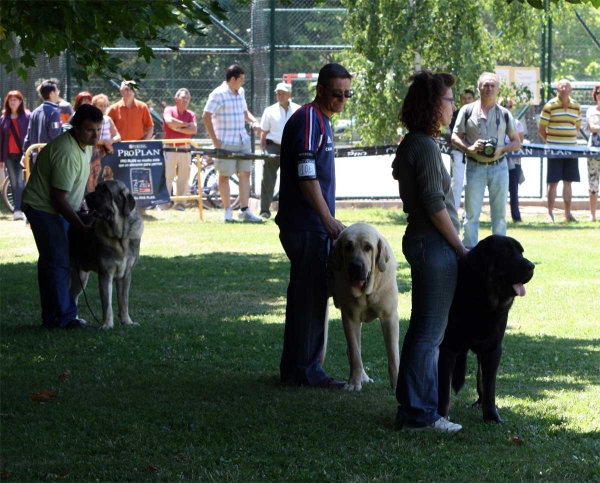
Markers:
(593, 122)
(109, 130)
(108, 136)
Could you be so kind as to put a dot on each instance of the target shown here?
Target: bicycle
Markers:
(7, 193)
(209, 178)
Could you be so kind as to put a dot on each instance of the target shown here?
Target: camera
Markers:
(489, 147)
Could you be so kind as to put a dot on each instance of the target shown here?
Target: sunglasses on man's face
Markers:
(340, 94)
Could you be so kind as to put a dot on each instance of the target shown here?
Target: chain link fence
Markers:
(272, 38)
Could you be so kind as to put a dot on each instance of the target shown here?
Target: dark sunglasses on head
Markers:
(340, 94)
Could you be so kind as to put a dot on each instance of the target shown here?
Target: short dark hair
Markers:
(46, 88)
(469, 91)
(234, 71)
(332, 71)
(422, 105)
(84, 113)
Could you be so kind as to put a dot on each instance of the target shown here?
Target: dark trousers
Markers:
(54, 274)
(267, 186)
(513, 189)
(306, 307)
(434, 271)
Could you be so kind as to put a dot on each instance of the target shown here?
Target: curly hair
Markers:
(596, 92)
(422, 105)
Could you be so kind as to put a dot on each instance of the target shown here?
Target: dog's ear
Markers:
(383, 254)
(126, 203)
(335, 256)
(518, 246)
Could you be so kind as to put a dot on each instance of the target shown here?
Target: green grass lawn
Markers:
(193, 392)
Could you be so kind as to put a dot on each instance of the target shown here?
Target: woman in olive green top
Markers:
(431, 246)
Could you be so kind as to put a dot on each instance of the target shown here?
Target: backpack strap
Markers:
(468, 112)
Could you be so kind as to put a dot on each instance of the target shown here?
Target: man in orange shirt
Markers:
(132, 117)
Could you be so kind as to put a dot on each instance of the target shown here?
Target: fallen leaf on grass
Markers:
(54, 476)
(64, 377)
(516, 440)
(5, 475)
(150, 469)
(44, 396)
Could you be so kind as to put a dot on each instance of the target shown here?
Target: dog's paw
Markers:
(366, 379)
(106, 327)
(353, 387)
(131, 323)
(492, 416)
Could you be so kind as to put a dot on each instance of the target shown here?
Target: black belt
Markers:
(487, 163)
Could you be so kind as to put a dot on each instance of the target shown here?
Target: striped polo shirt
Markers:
(561, 121)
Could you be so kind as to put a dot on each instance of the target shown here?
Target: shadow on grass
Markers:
(194, 389)
(535, 367)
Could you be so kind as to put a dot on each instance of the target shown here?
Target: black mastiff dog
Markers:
(488, 282)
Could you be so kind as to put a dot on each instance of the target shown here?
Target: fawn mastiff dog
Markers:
(493, 274)
(111, 248)
(362, 280)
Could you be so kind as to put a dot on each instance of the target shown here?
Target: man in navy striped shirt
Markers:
(307, 224)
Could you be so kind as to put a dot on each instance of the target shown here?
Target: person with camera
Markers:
(479, 132)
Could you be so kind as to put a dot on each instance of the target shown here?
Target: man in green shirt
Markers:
(53, 194)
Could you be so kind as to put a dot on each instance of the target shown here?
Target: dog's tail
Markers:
(460, 371)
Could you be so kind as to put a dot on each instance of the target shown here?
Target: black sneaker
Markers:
(330, 383)
(76, 324)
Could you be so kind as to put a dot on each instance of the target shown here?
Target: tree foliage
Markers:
(464, 38)
(84, 27)
(540, 4)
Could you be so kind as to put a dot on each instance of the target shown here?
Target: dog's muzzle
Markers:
(358, 275)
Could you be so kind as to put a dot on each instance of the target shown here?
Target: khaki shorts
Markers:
(228, 167)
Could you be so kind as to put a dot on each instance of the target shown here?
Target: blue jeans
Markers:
(15, 174)
(434, 270)
(306, 307)
(495, 178)
(513, 188)
(54, 275)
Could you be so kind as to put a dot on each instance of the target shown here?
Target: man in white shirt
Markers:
(271, 124)
(224, 116)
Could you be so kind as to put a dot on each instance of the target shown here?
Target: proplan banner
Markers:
(141, 166)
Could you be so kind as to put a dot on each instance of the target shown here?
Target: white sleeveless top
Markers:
(105, 134)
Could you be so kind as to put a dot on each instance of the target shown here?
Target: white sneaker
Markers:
(249, 217)
(228, 214)
(442, 425)
(18, 215)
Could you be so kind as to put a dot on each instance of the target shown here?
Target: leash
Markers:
(85, 297)
(95, 214)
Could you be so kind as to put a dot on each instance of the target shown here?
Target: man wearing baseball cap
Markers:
(272, 123)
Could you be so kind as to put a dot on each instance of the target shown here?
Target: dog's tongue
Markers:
(359, 283)
(519, 289)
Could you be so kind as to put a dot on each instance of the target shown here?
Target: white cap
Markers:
(127, 83)
(282, 86)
